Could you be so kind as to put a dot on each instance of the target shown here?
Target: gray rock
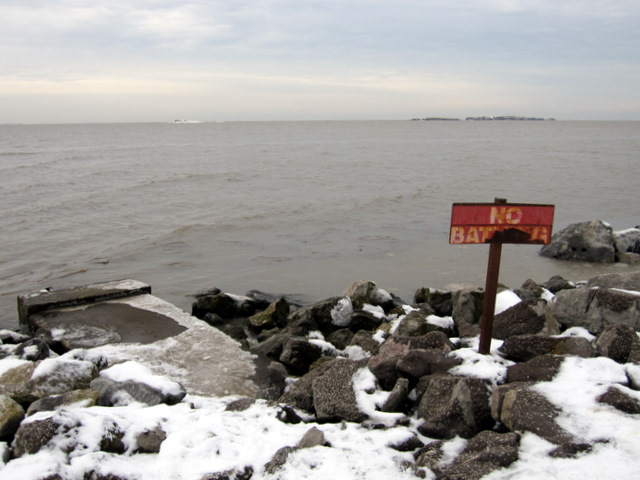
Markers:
(11, 414)
(418, 363)
(277, 377)
(300, 393)
(467, 311)
(363, 320)
(279, 459)
(383, 364)
(558, 283)
(526, 317)
(240, 405)
(83, 398)
(15, 382)
(224, 305)
(313, 438)
(111, 440)
(340, 338)
(364, 339)
(33, 435)
(578, 346)
(620, 400)
(628, 258)
(627, 240)
(150, 441)
(363, 292)
(123, 393)
(415, 324)
(439, 301)
(617, 342)
(95, 475)
(430, 456)
(585, 242)
(55, 376)
(432, 340)
(539, 369)
(33, 350)
(453, 406)
(233, 474)
(327, 316)
(411, 444)
(623, 281)
(397, 399)
(275, 315)
(596, 308)
(484, 453)
(298, 354)
(334, 398)
(11, 337)
(520, 408)
(521, 348)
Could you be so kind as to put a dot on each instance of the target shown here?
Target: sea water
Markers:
(294, 207)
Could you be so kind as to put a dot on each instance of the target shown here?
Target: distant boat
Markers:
(186, 121)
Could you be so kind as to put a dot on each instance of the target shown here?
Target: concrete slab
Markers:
(146, 329)
(82, 295)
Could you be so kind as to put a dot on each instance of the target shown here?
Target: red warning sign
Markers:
(502, 222)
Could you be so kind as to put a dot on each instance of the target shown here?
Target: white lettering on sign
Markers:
(501, 215)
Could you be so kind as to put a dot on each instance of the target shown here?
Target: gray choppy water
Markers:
(293, 207)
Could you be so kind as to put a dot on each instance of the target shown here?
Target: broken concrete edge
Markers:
(75, 296)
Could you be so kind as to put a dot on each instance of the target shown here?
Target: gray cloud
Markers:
(323, 50)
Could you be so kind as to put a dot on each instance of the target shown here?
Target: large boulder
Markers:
(57, 376)
(36, 432)
(419, 363)
(622, 281)
(467, 310)
(334, 398)
(584, 242)
(33, 435)
(14, 382)
(520, 408)
(415, 324)
(620, 400)
(11, 414)
(300, 393)
(225, 305)
(298, 354)
(383, 364)
(484, 453)
(77, 398)
(327, 315)
(453, 406)
(121, 393)
(539, 369)
(627, 241)
(438, 300)
(274, 316)
(525, 317)
(521, 348)
(364, 292)
(596, 308)
(617, 342)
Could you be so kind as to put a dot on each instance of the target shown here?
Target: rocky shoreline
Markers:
(364, 358)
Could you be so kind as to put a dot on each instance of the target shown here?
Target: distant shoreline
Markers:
(483, 118)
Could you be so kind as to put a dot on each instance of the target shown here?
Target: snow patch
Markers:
(137, 372)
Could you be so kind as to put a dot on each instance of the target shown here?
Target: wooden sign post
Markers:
(497, 223)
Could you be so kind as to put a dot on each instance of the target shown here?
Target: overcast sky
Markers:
(159, 60)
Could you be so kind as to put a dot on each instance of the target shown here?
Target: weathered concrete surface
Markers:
(140, 327)
(83, 295)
